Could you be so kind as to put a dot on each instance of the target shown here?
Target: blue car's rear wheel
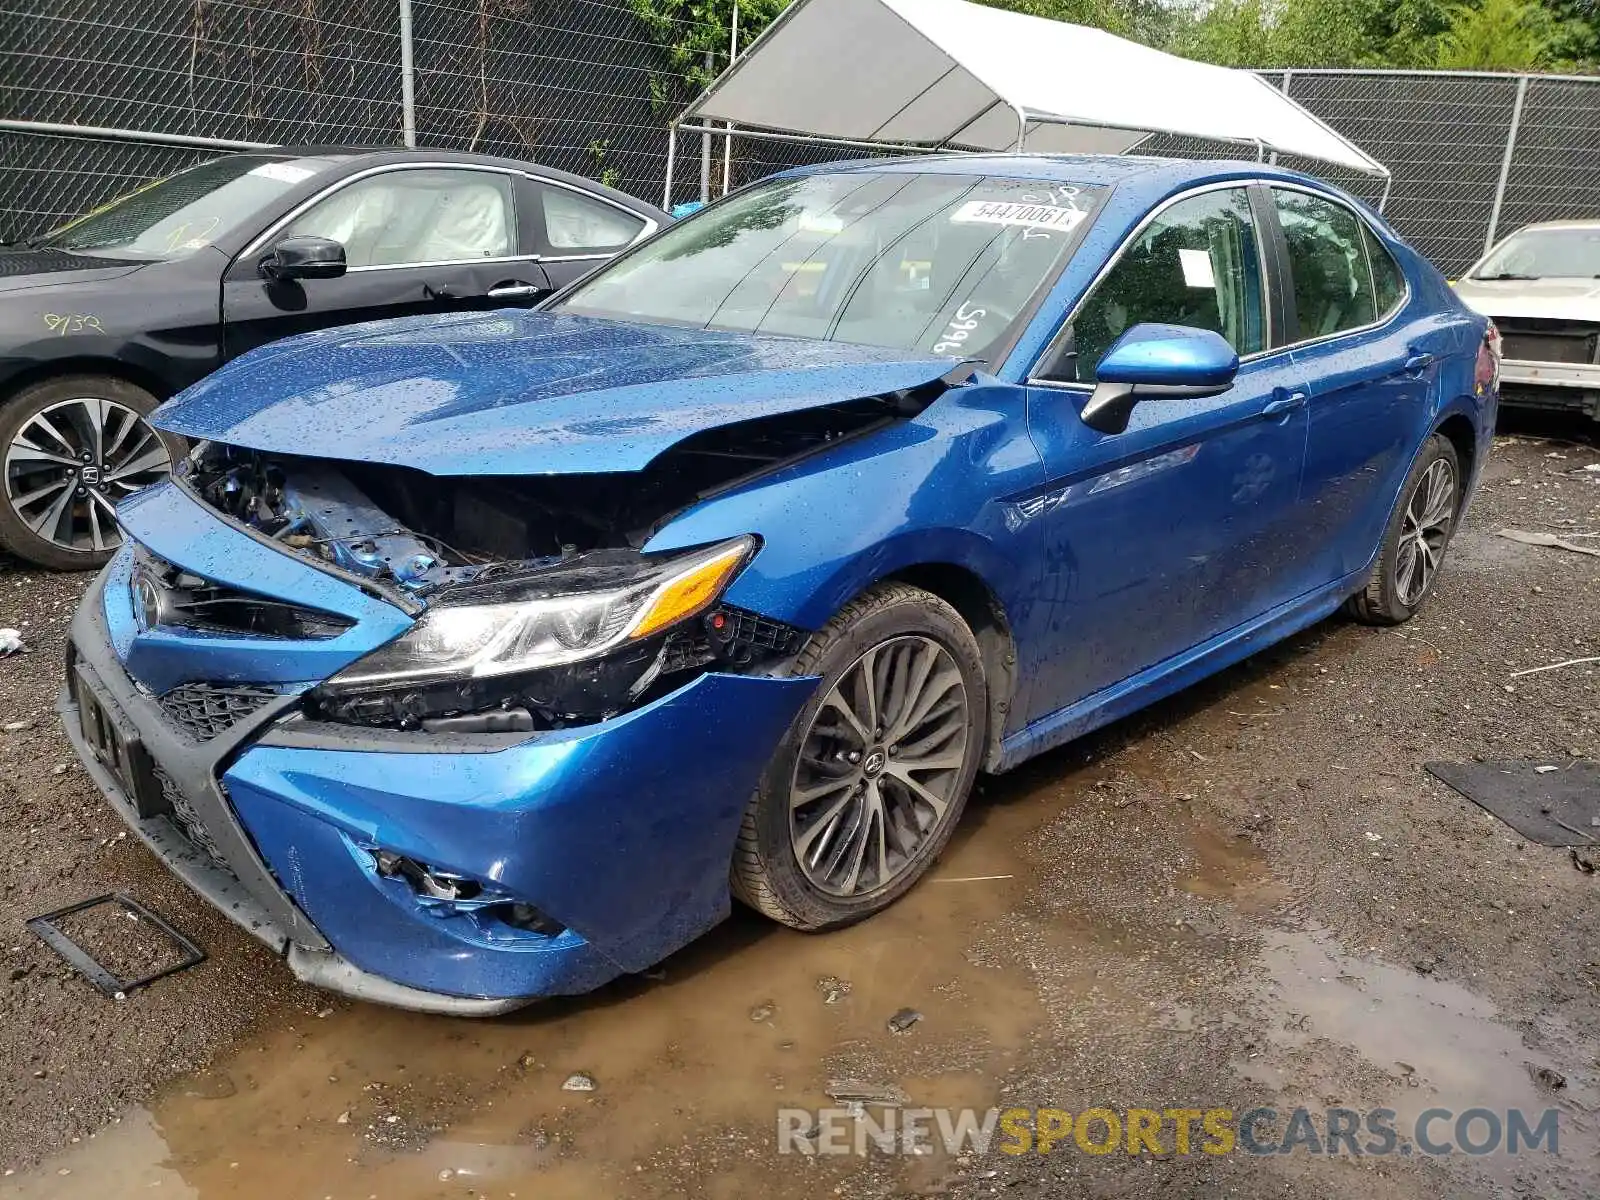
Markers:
(1415, 539)
(872, 777)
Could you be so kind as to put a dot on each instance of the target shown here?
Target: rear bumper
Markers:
(622, 832)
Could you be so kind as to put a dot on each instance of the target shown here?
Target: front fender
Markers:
(925, 490)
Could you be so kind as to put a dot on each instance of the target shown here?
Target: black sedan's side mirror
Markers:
(304, 258)
(1154, 362)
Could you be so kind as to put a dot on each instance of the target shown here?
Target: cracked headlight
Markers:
(559, 616)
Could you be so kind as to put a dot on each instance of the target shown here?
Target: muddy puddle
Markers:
(691, 1064)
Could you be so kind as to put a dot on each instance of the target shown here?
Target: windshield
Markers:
(927, 262)
(187, 211)
(1545, 254)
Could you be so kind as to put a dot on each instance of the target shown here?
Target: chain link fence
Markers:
(100, 96)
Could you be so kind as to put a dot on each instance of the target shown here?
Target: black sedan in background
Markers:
(112, 313)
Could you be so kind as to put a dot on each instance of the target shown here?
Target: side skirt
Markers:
(1176, 673)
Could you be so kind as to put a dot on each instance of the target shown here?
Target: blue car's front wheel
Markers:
(873, 775)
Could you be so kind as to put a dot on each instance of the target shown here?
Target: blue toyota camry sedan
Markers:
(470, 659)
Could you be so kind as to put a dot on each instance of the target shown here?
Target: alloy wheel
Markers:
(879, 767)
(68, 465)
(1424, 531)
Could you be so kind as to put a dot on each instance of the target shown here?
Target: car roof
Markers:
(1101, 170)
(377, 156)
(1590, 223)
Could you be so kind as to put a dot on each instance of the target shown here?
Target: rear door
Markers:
(1370, 372)
(423, 239)
(578, 230)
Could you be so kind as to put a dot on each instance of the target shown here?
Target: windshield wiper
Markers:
(1505, 275)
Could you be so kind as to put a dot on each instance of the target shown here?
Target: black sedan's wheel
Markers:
(1414, 543)
(871, 780)
(70, 448)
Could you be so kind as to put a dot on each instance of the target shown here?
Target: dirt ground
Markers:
(1251, 895)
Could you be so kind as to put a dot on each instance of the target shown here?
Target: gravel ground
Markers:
(1249, 895)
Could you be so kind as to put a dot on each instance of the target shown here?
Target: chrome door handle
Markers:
(513, 291)
(1284, 404)
(1418, 363)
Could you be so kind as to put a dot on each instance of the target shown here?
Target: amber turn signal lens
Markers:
(686, 594)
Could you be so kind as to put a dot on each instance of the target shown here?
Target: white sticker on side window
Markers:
(281, 171)
(1197, 271)
(1022, 216)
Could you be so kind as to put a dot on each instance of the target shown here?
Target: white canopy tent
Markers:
(947, 74)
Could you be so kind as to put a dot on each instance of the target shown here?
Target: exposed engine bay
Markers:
(452, 543)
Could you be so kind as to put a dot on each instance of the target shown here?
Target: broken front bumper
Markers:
(621, 832)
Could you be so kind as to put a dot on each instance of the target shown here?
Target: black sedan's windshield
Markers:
(1572, 253)
(187, 211)
(916, 261)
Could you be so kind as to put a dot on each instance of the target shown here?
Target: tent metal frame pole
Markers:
(1505, 164)
(672, 155)
(1383, 200)
(772, 135)
(727, 140)
(1022, 129)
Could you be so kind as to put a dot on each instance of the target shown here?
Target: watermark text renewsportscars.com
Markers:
(1216, 1131)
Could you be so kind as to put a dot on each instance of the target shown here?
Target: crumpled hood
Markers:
(1557, 299)
(521, 393)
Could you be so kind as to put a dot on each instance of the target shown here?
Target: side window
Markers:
(1328, 262)
(1196, 264)
(577, 223)
(1388, 281)
(417, 216)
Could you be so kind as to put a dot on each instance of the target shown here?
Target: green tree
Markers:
(1498, 35)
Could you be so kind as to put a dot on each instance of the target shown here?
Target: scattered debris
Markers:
(833, 988)
(1550, 806)
(85, 964)
(1424, 966)
(1546, 1077)
(973, 879)
(16, 726)
(763, 1012)
(10, 642)
(856, 1091)
(342, 1119)
(579, 1081)
(1586, 865)
(1570, 662)
(1546, 539)
(903, 1020)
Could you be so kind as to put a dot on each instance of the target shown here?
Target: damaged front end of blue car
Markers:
(451, 740)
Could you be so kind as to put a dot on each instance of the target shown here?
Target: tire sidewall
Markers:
(17, 411)
(1435, 448)
(918, 613)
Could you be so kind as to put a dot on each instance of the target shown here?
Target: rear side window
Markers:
(575, 222)
(1333, 287)
(1388, 281)
(1196, 264)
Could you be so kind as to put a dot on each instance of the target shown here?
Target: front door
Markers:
(1183, 526)
(417, 240)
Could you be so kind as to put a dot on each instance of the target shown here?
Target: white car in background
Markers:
(1541, 286)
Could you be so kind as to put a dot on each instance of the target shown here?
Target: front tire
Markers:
(1414, 542)
(872, 777)
(70, 449)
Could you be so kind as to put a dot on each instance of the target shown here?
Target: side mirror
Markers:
(1155, 362)
(304, 258)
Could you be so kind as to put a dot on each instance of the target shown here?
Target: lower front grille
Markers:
(1525, 348)
(188, 822)
(204, 711)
